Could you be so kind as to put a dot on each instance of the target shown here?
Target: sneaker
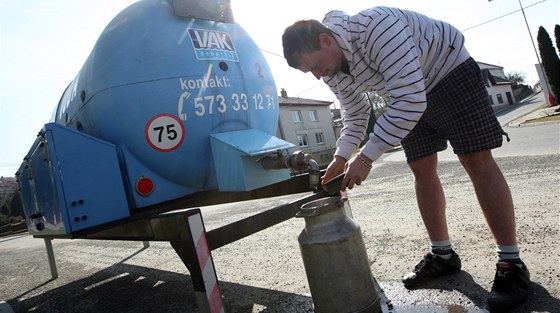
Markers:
(511, 286)
(431, 267)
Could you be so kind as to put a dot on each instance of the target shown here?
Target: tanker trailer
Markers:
(174, 99)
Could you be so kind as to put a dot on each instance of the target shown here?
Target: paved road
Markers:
(264, 272)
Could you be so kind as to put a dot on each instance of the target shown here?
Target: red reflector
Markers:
(144, 186)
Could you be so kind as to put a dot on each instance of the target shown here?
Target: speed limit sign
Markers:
(164, 132)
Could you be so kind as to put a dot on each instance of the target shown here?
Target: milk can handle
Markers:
(314, 211)
(307, 213)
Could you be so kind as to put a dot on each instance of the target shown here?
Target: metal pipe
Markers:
(298, 162)
(314, 173)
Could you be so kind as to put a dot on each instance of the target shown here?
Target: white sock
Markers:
(508, 254)
(441, 248)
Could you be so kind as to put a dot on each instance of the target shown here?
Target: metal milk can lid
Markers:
(321, 206)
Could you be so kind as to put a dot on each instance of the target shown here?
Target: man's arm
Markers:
(391, 48)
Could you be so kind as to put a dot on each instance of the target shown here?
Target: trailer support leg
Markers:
(50, 257)
(195, 253)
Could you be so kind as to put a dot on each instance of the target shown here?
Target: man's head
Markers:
(310, 47)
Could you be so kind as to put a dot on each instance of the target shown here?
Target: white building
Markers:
(498, 86)
(308, 124)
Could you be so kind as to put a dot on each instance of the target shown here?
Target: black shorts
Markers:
(458, 111)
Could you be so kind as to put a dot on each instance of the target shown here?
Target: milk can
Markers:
(335, 259)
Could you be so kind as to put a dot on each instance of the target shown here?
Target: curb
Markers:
(531, 124)
(524, 121)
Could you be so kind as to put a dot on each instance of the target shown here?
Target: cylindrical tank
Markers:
(163, 76)
(335, 259)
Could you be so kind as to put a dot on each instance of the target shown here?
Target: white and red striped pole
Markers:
(211, 294)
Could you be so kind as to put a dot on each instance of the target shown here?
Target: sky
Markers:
(43, 45)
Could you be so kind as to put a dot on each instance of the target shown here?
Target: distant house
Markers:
(498, 86)
(308, 124)
(337, 122)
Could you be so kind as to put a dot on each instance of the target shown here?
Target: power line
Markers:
(469, 28)
(9, 164)
(306, 90)
(274, 54)
(281, 56)
(499, 17)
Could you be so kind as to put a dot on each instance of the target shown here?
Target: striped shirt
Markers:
(397, 54)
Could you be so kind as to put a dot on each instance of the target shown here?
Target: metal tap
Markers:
(298, 162)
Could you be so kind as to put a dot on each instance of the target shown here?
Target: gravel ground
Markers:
(264, 272)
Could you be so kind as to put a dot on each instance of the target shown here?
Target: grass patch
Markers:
(553, 117)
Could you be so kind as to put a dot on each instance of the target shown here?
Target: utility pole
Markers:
(530, 35)
(534, 47)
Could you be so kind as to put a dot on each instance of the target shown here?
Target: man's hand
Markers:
(335, 168)
(357, 170)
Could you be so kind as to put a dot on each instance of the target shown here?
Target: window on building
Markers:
(313, 115)
(296, 116)
(499, 96)
(302, 140)
(320, 138)
(491, 100)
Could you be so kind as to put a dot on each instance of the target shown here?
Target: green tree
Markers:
(517, 78)
(557, 36)
(16, 205)
(550, 62)
(4, 220)
(378, 107)
(4, 209)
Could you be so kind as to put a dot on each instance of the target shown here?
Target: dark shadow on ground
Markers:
(539, 300)
(127, 288)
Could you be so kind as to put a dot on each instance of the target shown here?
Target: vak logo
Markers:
(212, 45)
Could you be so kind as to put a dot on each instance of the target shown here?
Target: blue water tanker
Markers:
(174, 109)
(175, 98)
